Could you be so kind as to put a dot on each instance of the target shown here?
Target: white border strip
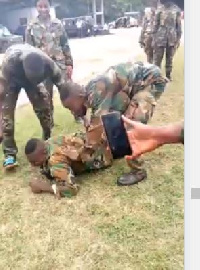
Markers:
(192, 133)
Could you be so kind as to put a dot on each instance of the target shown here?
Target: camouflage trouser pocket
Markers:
(141, 107)
(101, 159)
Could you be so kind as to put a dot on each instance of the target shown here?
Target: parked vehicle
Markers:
(7, 38)
(78, 26)
(133, 22)
(20, 31)
(111, 25)
(125, 22)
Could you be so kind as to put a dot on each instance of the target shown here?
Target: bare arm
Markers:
(145, 138)
(65, 47)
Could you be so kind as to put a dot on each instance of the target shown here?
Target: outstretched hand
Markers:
(141, 138)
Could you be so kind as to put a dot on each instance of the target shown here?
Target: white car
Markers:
(133, 22)
(111, 25)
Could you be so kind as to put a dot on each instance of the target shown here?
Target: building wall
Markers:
(12, 18)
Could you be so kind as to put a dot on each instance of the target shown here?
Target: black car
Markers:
(7, 38)
(78, 26)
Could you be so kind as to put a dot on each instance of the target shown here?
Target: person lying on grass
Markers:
(63, 158)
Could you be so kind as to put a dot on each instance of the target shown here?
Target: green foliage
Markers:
(112, 8)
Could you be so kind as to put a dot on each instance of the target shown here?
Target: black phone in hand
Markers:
(116, 135)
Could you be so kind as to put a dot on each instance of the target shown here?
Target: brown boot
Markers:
(39, 186)
(132, 178)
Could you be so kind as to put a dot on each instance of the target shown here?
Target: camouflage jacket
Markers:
(114, 90)
(13, 72)
(147, 29)
(68, 156)
(52, 39)
(167, 27)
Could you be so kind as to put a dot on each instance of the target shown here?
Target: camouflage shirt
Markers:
(68, 156)
(167, 27)
(147, 29)
(12, 69)
(51, 38)
(130, 78)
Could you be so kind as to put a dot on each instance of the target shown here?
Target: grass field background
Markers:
(104, 226)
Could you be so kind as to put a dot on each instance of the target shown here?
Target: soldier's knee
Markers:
(7, 126)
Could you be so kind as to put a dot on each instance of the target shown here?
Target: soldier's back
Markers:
(166, 29)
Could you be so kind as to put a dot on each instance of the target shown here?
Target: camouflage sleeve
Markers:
(56, 75)
(105, 105)
(28, 35)
(1, 105)
(65, 47)
(178, 25)
(141, 38)
(156, 22)
(61, 172)
(102, 96)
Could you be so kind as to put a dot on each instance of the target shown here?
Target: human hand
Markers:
(87, 122)
(69, 71)
(141, 137)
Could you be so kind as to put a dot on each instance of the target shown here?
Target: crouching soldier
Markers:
(26, 67)
(129, 88)
(116, 89)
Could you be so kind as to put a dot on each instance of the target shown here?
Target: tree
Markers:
(112, 8)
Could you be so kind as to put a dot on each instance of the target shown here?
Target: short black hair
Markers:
(34, 66)
(31, 146)
(69, 89)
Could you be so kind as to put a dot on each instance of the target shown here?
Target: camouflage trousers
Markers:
(49, 87)
(40, 101)
(148, 49)
(169, 54)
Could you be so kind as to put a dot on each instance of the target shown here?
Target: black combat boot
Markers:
(168, 75)
(132, 178)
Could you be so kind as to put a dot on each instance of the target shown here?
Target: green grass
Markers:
(105, 226)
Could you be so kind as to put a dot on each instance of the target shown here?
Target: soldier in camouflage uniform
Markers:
(131, 89)
(50, 36)
(139, 84)
(166, 35)
(64, 157)
(146, 36)
(26, 67)
(1, 104)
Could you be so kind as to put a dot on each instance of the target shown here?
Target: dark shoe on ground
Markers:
(79, 120)
(132, 178)
(168, 75)
(10, 163)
